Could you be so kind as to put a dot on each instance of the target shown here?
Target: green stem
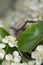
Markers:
(6, 48)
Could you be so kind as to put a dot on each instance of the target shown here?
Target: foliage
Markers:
(31, 37)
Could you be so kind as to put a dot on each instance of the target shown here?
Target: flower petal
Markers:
(8, 57)
(34, 55)
(6, 63)
(17, 59)
(2, 53)
(15, 53)
(11, 44)
(38, 62)
(39, 48)
(15, 63)
(2, 45)
(5, 40)
(24, 64)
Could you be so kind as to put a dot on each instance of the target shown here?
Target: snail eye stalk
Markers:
(19, 31)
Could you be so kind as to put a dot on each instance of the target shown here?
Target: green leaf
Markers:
(3, 32)
(31, 37)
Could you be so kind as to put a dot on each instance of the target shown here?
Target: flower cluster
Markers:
(9, 59)
(33, 9)
(15, 58)
(38, 55)
(12, 59)
(11, 41)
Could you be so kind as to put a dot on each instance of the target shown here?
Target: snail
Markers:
(20, 30)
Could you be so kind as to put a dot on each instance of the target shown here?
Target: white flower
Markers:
(38, 62)
(13, 63)
(17, 59)
(2, 45)
(15, 53)
(8, 57)
(30, 5)
(34, 14)
(34, 54)
(2, 53)
(31, 63)
(39, 48)
(24, 63)
(38, 55)
(6, 63)
(33, 7)
(10, 40)
(5, 40)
